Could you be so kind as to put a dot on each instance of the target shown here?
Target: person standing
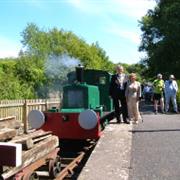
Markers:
(158, 90)
(147, 93)
(117, 93)
(171, 89)
(133, 94)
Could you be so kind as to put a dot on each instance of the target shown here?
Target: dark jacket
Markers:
(114, 90)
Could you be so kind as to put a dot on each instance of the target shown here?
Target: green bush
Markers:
(178, 93)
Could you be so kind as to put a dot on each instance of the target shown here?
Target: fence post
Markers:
(46, 105)
(25, 114)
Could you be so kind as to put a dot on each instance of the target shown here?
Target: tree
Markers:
(10, 86)
(57, 42)
(161, 38)
(30, 71)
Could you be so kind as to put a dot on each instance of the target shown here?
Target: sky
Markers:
(112, 23)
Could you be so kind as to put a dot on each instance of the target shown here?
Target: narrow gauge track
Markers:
(73, 155)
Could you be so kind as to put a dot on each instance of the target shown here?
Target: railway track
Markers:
(72, 158)
(68, 165)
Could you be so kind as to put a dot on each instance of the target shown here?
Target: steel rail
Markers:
(69, 168)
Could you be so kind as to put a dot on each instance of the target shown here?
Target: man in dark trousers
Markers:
(117, 93)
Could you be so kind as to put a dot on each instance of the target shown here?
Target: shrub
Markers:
(178, 94)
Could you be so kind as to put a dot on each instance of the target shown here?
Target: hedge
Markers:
(178, 94)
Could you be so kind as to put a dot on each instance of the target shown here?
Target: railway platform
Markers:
(147, 151)
(111, 157)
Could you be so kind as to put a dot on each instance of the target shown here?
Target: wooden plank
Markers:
(8, 118)
(11, 105)
(42, 134)
(41, 138)
(33, 135)
(38, 151)
(11, 154)
(30, 139)
(6, 134)
(26, 143)
(10, 123)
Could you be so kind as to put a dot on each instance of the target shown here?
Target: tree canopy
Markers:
(42, 43)
(161, 38)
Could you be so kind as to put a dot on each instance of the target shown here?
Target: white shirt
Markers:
(171, 87)
(122, 78)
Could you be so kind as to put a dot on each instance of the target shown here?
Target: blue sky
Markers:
(113, 23)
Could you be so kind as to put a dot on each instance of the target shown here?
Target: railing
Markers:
(21, 108)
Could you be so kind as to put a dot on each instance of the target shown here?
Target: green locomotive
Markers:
(86, 106)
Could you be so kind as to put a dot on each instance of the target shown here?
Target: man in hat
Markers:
(158, 89)
(171, 89)
(117, 93)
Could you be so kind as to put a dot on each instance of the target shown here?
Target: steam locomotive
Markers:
(86, 107)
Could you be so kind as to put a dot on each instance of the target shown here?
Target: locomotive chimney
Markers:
(80, 73)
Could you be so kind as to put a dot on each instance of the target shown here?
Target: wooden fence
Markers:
(21, 108)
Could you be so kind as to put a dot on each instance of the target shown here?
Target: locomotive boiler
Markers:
(86, 107)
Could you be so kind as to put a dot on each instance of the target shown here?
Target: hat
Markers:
(159, 75)
(171, 76)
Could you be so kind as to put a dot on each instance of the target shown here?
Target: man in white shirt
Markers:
(171, 89)
(117, 93)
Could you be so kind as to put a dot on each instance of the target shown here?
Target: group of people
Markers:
(126, 92)
(165, 90)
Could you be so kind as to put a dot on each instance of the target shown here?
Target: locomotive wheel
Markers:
(58, 163)
(34, 176)
(53, 172)
(58, 166)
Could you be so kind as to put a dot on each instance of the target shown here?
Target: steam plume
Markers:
(56, 70)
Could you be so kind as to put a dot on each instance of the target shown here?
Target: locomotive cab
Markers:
(80, 96)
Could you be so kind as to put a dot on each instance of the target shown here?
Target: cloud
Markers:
(130, 33)
(88, 6)
(131, 36)
(77, 3)
(8, 47)
(134, 9)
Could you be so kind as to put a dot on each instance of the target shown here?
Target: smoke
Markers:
(56, 70)
(59, 66)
